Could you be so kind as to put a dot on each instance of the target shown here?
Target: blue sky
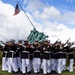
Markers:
(65, 4)
(61, 5)
(53, 17)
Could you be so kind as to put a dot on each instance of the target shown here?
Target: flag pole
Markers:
(26, 15)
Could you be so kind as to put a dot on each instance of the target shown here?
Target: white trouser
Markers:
(70, 67)
(26, 63)
(12, 65)
(63, 64)
(4, 64)
(18, 63)
(59, 66)
(46, 66)
(54, 68)
(36, 64)
(52, 63)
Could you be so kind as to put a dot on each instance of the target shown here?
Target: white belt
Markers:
(5, 52)
(70, 53)
(36, 51)
(46, 52)
(25, 51)
(11, 51)
(58, 52)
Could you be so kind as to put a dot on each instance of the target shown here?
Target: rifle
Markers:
(73, 43)
(2, 42)
(55, 42)
(66, 42)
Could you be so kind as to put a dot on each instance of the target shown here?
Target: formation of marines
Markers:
(25, 58)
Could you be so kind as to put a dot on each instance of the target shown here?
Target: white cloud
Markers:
(25, 1)
(53, 14)
(16, 27)
(70, 1)
(69, 17)
(33, 5)
(62, 32)
(50, 13)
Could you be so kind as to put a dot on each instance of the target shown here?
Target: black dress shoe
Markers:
(41, 70)
(23, 73)
(49, 73)
(20, 72)
(67, 70)
(36, 73)
(18, 69)
(29, 72)
(15, 72)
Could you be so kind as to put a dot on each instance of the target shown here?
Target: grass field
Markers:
(68, 73)
(63, 73)
(6, 73)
